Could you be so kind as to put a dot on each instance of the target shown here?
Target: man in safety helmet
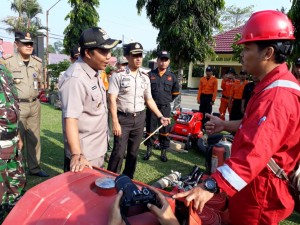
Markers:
(269, 130)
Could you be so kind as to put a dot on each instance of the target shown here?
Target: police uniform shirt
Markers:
(83, 97)
(26, 78)
(163, 88)
(131, 90)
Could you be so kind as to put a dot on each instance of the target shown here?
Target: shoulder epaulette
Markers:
(7, 56)
(37, 58)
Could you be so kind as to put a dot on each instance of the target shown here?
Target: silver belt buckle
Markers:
(134, 114)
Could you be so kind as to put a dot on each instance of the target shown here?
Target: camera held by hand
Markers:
(134, 201)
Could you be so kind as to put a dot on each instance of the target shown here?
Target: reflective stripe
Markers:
(232, 177)
(284, 83)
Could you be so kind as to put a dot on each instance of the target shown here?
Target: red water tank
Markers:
(73, 198)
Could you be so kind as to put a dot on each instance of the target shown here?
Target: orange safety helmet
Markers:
(267, 25)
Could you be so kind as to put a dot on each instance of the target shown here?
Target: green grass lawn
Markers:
(147, 171)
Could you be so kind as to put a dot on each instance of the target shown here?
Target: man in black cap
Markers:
(207, 93)
(74, 54)
(84, 107)
(128, 91)
(297, 69)
(164, 89)
(27, 72)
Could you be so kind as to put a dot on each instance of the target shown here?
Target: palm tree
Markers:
(27, 19)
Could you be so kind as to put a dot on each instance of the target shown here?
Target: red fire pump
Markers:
(187, 127)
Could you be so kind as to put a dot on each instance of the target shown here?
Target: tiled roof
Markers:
(224, 40)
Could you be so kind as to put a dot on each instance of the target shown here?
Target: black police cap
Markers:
(23, 37)
(96, 37)
(133, 48)
(163, 54)
(75, 51)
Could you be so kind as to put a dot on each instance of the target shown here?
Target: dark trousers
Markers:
(205, 106)
(236, 113)
(132, 134)
(152, 122)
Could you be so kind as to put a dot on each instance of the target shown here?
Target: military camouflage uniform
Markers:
(12, 174)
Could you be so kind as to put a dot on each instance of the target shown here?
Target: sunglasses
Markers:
(27, 43)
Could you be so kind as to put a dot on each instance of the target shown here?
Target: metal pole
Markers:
(47, 43)
(47, 50)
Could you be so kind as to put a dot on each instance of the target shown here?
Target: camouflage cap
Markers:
(122, 60)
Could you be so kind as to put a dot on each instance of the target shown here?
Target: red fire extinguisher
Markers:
(220, 152)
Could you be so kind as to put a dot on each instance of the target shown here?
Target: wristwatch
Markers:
(211, 185)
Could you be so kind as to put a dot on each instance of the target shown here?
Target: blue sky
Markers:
(119, 18)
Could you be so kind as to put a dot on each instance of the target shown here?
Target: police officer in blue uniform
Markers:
(164, 89)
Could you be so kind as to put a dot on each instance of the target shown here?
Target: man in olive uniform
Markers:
(27, 72)
(164, 89)
(128, 91)
(12, 174)
(84, 103)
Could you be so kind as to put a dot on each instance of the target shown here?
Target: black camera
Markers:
(133, 201)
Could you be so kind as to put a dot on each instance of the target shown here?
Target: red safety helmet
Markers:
(267, 25)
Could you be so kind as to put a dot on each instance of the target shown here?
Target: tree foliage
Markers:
(232, 16)
(185, 28)
(58, 46)
(82, 16)
(237, 49)
(117, 52)
(27, 19)
(294, 15)
(56, 69)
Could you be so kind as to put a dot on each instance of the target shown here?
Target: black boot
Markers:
(148, 153)
(163, 156)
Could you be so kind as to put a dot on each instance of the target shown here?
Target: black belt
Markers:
(7, 135)
(130, 114)
(27, 100)
(223, 96)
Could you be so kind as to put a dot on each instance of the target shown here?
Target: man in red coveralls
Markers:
(270, 129)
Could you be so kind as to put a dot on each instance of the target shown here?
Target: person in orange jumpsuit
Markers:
(207, 93)
(236, 96)
(269, 129)
(226, 85)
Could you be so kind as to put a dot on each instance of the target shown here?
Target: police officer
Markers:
(27, 72)
(84, 103)
(129, 90)
(164, 89)
(12, 174)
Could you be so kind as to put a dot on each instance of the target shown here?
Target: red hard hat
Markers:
(267, 25)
